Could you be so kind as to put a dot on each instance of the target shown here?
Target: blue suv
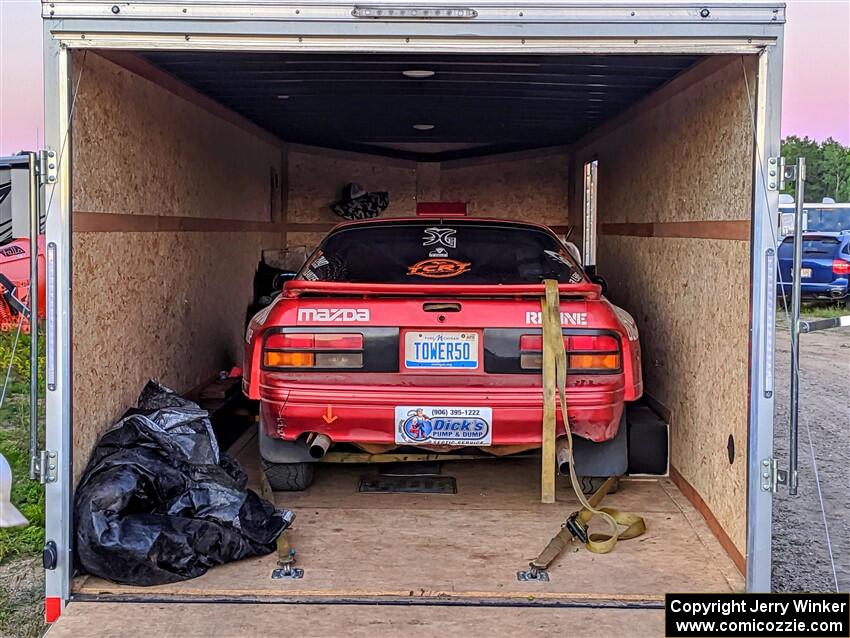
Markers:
(825, 271)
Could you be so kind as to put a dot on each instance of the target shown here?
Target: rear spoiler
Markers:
(296, 288)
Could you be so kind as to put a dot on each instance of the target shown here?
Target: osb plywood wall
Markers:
(317, 177)
(530, 189)
(688, 159)
(164, 154)
(526, 188)
(169, 305)
(165, 305)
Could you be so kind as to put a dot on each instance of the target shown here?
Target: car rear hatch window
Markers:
(457, 253)
(831, 219)
(813, 246)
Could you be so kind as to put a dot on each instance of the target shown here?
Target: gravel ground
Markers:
(21, 598)
(801, 560)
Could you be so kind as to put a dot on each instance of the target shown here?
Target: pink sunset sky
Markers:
(816, 94)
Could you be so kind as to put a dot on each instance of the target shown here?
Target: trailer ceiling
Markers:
(477, 104)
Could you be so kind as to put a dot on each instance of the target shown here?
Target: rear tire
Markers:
(589, 484)
(288, 477)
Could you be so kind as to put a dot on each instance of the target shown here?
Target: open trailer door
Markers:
(751, 37)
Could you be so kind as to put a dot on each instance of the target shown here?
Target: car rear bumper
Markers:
(833, 291)
(366, 414)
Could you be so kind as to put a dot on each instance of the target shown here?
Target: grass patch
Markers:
(824, 312)
(27, 496)
(21, 574)
(827, 311)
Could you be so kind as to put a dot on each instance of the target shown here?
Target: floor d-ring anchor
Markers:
(287, 572)
(533, 575)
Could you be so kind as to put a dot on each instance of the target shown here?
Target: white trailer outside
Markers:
(684, 136)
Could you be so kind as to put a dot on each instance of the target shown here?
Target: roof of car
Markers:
(447, 220)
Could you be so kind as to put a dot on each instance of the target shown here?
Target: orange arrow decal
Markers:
(329, 416)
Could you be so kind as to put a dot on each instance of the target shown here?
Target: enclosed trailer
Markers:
(192, 135)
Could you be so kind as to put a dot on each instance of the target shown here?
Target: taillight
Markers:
(594, 361)
(841, 267)
(585, 353)
(289, 359)
(313, 350)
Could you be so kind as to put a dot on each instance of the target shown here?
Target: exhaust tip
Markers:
(318, 445)
(562, 457)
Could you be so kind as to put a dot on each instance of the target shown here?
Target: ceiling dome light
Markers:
(418, 74)
(282, 97)
(423, 127)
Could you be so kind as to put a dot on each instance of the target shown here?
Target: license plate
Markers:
(441, 350)
(441, 425)
(805, 273)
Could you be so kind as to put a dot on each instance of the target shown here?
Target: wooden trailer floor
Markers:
(357, 547)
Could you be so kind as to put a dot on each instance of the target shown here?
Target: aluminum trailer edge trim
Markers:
(766, 112)
(490, 11)
(59, 493)
(210, 42)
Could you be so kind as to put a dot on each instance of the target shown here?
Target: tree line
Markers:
(827, 167)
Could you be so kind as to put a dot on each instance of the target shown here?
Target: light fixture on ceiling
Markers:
(282, 97)
(418, 74)
(423, 127)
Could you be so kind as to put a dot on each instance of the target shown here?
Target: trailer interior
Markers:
(187, 164)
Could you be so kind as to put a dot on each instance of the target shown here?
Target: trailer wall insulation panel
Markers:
(155, 293)
(674, 202)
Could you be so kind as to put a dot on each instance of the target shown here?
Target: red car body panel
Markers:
(358, 406)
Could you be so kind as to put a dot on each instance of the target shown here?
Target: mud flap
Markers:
(280, 451)
(609, 458)
(648, 442)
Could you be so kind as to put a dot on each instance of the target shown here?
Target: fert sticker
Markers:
(441, 425)
(535, 318)
(436, 268)
(324, 315)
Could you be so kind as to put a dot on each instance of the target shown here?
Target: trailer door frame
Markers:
(564, 36)
(766, 107)
(58, 422)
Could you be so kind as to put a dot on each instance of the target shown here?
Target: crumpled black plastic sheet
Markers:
(159, 503)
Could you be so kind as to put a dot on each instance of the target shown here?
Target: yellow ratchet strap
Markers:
(555, 377)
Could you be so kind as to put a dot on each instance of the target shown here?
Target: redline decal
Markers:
(533, 318)
(439, 268)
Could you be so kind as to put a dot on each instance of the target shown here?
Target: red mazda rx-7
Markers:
(426, 333)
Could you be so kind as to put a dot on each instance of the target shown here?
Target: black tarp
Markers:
(158, 503)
